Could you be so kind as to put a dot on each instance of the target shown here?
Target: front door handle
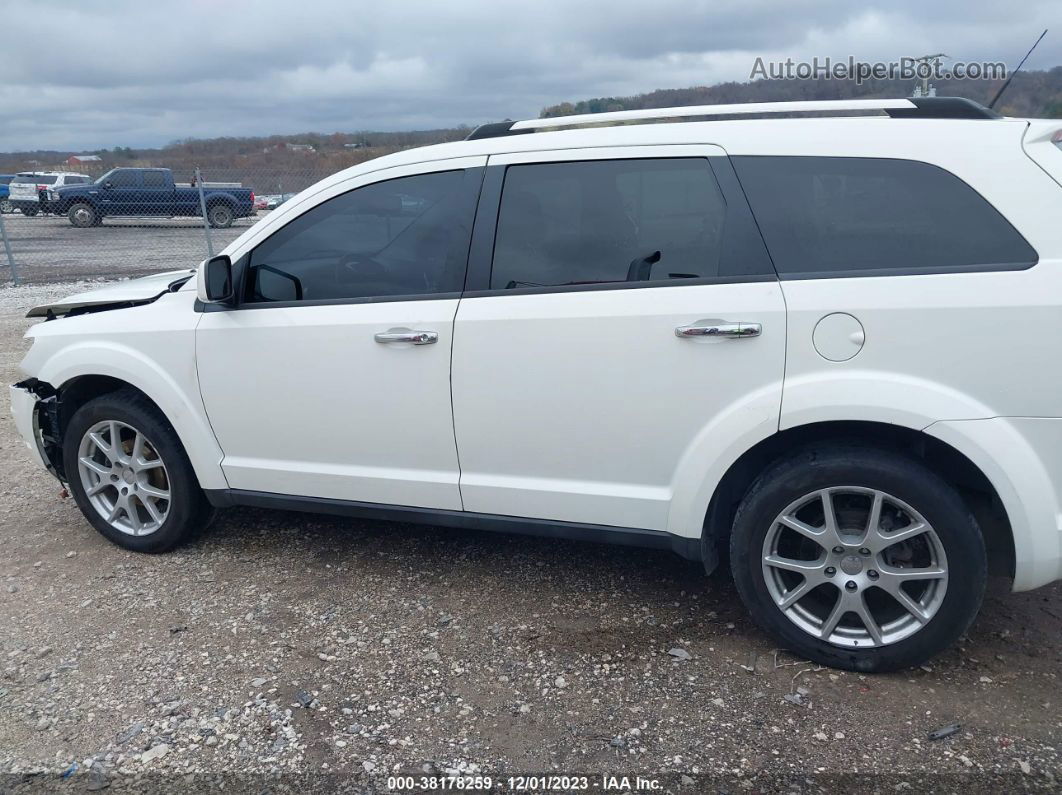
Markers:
(733, 331)
(407, 335)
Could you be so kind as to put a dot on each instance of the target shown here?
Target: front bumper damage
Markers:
(35, 409)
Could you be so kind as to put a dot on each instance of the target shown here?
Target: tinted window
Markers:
(406, 236)
(837, 215)
(34, 179)
(154, 179)
(124, 178)
(607, 221)
(76, 180)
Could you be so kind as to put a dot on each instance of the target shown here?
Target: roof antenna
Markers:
(1010, 77)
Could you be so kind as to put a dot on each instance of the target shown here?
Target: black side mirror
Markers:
(108, 184)
(217, 280)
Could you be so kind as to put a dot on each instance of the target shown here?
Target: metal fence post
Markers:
(7, 248)
(203, 209)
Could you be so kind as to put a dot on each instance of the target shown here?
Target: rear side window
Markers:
(154, 179)
(614, 221)
(841, 216)
(77, 180)
(402, 237)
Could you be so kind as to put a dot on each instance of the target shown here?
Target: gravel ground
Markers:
(48, 249)
(290, 652)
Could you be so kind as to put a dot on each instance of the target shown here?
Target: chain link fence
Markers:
(60, 225)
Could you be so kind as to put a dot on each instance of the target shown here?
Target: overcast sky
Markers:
(77, 75)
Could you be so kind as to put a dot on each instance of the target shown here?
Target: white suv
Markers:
(25, 189)
(819, 349)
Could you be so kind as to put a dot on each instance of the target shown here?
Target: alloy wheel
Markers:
(855, 567)
(124, 477)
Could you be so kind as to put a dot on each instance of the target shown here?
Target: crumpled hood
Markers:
(115, 296)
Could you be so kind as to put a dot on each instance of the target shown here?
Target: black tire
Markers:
(188, 510)
(82, 215)
(902, 477)
(6, 206)
(29, 212)
(220, 215)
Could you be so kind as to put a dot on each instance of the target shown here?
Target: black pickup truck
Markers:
(148, 192)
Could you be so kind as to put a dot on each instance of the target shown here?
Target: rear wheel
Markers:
(130, 476)
(82, 215)
(858, 558)
(220, 216)
(6, 206)
(29, 212)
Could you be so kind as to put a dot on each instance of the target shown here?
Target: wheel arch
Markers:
(973, 486)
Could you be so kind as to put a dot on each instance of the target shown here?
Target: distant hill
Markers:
(1030, 94)
(285, 163)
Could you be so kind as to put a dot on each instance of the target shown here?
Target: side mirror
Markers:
(215, 281)
(108, 184)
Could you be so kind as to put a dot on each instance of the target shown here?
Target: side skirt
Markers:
(689, 548)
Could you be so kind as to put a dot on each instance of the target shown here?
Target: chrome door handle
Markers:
(733, 331)
(407, 335)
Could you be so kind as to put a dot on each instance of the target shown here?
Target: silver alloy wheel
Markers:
(855, 567)
(124, 477)
(6, 206)
(82, 215)
(220, 215)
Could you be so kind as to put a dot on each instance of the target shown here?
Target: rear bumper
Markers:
(24, 412)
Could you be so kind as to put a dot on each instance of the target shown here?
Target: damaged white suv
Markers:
(819, 349)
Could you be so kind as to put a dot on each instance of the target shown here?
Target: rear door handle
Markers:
(407, 335)
(734, 331)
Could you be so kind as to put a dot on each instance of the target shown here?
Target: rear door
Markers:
(620, 306)
(156, 193)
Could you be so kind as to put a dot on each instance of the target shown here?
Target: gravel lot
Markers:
(49, 249)
(305, 653)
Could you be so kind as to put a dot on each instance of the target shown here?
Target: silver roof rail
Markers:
(913, 108)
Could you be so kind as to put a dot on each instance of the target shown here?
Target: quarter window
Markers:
(843, 216)
(615, 221)
(402, 237)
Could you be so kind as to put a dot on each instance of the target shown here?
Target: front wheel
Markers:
(221, 216)
(858, 558)
(130, 475)
(82, 215)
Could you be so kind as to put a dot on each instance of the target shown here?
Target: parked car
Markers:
(5, 203)
(149, 192)
(817, 349)
(26, 189)
(279, 199)
(261, 202)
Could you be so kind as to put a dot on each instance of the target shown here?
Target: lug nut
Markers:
(838, 550)
(872, 574)
(830, 571)
(864, 551)
(850, 585)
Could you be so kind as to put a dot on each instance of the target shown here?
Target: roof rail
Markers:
(913, 108)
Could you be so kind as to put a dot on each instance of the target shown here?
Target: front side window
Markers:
(612, 221)
(837, 216)
(124, 178)
(402, 237)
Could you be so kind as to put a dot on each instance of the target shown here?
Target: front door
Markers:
(626, 320)
(331, 378)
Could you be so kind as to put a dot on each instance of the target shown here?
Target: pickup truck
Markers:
(148, 192)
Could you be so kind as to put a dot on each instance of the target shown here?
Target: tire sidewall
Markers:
(227, 216)
(74, 208)
(186, 497)
(904, 478)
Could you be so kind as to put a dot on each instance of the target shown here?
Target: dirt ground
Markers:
(292, 652)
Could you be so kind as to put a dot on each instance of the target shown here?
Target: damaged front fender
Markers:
(35, 407)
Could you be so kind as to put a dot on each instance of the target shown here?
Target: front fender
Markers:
(182, 406)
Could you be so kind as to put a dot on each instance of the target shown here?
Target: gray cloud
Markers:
(139, 74)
